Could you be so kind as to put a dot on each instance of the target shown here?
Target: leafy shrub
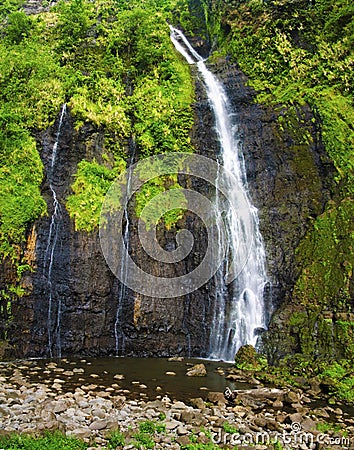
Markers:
(115, 439)
(50, 441)
(92, 182)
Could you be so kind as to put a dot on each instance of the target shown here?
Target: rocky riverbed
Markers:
(255, 418)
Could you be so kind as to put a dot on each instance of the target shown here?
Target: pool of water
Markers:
(142, 377)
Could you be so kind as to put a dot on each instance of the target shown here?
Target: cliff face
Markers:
(98, 316)
(82, 309)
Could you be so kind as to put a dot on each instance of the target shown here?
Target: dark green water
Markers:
(150, 372)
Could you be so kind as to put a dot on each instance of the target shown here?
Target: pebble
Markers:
(90, 411)
(118, 376)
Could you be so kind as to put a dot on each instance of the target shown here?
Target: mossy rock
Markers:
(247, 358)
(7, 352)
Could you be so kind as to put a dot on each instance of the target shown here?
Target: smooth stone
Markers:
(181, 430)
(119, 376)
(98, 425)
(278, 404)
(173, 424)
(99, 413)
(179, 405)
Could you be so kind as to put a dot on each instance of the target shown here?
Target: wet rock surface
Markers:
(289, 177)
(91, 412)
(287, 183)
(83, 317)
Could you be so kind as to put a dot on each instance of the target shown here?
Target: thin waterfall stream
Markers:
(239, 312)
(52, 241)
(118, 331)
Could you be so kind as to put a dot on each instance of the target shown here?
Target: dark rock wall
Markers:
(287, 184)
(85, 288)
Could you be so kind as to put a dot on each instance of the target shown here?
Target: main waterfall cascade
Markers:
(239, 312)
(51, 248)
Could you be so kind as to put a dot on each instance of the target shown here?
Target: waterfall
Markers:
(239, 311)
(118, 331)
(52, 241)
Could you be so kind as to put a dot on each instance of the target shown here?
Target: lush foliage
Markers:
(147, 429)
(131, 81)
(47, 442)
(167, 206)
(114, 66)
(115, 439)
(92, 182)
(340, 379)
(20, 176)
(30, 94)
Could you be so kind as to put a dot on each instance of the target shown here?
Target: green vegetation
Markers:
(147, 429)
(324, 427)
(115, 439)
(50, 441)
(92, 182)
(21, 173)
(247, 358)
(277, 445)
(151, 427)
(163, 201)
(340, 380)
(114, 66)
(228, 428)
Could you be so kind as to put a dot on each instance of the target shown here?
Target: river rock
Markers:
(98, 425)
(197, 370)
(119, 376)
(60, 406)
(80, 433)
(197, 403)
(181, 430)
(172, 424)
(291, 397)
(309, 425)
(246, 357)
(278, 404)
(217, 398)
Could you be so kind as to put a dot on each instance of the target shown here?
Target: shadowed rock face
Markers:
(286, 182)
(84, 286)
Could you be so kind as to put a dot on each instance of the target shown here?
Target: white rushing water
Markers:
(239, 309)
(51, 246)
